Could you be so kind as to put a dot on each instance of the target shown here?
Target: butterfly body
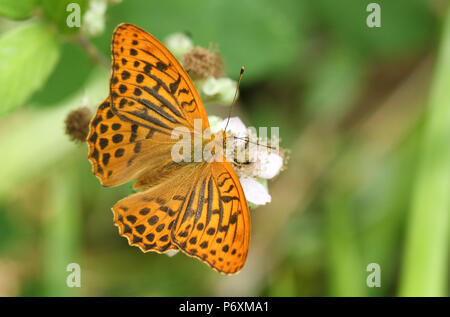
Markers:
(197, 207)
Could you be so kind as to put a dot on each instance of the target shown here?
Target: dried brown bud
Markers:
(201, 63)
(77, 124)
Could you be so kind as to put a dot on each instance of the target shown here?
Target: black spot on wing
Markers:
(175, 84)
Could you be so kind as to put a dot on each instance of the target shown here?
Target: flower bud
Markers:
(221, 90)
(77, 124)
(94, 18)
(178, 44)
(201, 63)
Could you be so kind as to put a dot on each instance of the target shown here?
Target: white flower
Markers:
(178, 44)
(253, 177)
(254, 191)
(221, 90)
(235, 126)
(268, 165)
(94, 18)
(214, 122)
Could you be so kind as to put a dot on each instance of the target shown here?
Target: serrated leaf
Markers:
(28, 55)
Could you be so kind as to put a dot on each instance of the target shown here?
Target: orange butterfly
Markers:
(199, 207)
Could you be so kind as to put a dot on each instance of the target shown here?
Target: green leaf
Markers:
(264, 36)
(406, 25)
(28, 55)
(42, 131)
(68, 76)
(17, 10)
(335, 83)
(56, 12)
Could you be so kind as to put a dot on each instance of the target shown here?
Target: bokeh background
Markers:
(364, 111)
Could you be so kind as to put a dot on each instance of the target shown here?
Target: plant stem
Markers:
(91, 50)
(425, 262)
(62, 232)
(345, 270)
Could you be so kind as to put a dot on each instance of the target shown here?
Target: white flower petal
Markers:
(235, 126)
(268, 165)
(214, 123)
(94, 18)
(254, 191)
(210, 86)
(178, 44)
(171, 252)
(227, 89)
(221, 90)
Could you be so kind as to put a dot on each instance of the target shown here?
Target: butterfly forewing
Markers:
(120, 150)
(148, 86)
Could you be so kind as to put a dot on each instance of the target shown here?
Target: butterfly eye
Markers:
(245, 163)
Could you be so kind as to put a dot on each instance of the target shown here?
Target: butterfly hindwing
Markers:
(202, 211)
(147, 218)
(214, 226)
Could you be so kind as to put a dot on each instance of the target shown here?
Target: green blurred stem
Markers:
(346, 273)
(62, 232)
(91, 50)
(425, 262)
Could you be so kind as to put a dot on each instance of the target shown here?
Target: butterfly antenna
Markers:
(257, 143)
(235, 97)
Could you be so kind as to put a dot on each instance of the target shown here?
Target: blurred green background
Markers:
(364, 111)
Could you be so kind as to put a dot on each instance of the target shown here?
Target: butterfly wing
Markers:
(121, 151)
(204, 213)
(215, 224)
(150, 95)
(147, 218)
(148, 86)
